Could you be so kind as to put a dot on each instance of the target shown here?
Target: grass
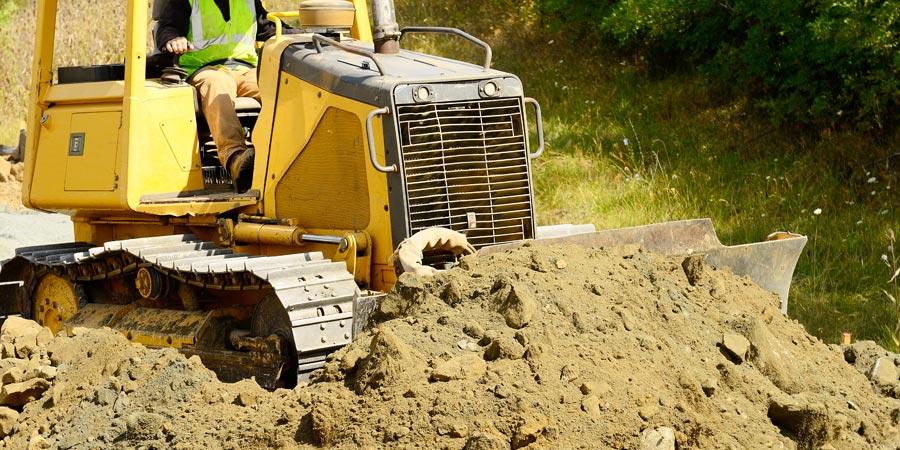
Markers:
(628, 148)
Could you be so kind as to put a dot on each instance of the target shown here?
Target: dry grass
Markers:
(86, 34)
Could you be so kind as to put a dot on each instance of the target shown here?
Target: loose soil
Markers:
(11, 175)
(561, 347)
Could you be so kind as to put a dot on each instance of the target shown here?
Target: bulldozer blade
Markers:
(769, 264)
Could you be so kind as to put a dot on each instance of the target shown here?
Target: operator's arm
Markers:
(173, 25)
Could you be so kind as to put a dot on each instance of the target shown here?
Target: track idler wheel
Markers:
(55, 300)
(271, 320)
(151, 284)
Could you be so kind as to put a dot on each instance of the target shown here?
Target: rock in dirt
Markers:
(16, 327)
(452, 294)
(517, 304)
(810, 423)
(8, 420)
(17, 171)
(407, 295)
(389, 361)
(693, 267)
(15, 374)
(5, 167)
(662, 438)
(465, 367)
(23, 334)
(884, 371)
(648, 410)
(528, 433)
(591, 405)
(329, 420)
(486, 441)
(144, 425)
(18, 394)
(736, 346)
(504, 347)
(773, 357)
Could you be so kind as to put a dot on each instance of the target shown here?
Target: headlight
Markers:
(422, 94)
(489, 89)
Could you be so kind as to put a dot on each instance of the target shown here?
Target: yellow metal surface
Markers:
(161, 327)
(163, 154)
(95, 315)
(55, 300)
(290, 135)
(333, 159)
(41, 76)
(117, 176)
(93, 167)
(361, 30)
(98, 92)
(257, 233)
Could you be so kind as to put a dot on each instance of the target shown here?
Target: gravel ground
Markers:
(22, 228)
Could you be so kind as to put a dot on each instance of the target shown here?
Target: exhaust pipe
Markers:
(386, 34)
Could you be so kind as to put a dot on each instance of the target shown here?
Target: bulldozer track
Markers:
(317, 293)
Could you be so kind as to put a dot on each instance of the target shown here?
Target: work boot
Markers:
(241, 167)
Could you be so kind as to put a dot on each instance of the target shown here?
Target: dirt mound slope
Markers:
(559, 347)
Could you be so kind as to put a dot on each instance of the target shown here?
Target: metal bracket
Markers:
(488, 52)
(538, 122)
(370, 139)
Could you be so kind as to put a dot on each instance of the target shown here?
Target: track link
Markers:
(317, 293)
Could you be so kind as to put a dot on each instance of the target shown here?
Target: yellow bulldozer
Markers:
(362, 149)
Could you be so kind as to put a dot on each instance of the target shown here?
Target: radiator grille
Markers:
(466, 163)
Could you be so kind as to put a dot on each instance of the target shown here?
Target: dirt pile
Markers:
(12, 172)
(535, 348)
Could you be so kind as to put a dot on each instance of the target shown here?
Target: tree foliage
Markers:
(816, 62)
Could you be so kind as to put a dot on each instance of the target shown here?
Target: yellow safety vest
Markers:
(214, 39)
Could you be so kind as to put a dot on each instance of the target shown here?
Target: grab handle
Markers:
(538, 122)
(370, 139)
(488, 53)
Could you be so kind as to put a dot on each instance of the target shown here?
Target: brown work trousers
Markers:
(218, 87)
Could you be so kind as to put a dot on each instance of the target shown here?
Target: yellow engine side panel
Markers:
(335, 150)
(298, 113)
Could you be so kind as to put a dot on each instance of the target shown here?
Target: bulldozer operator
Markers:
(216, 44)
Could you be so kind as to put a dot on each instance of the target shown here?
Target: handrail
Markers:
(318, 39)
(370, 139)
(276, 17)
(538, 121)
(488, 52)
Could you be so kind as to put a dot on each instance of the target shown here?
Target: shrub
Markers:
(817, 62)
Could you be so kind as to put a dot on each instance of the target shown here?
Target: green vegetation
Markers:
(823, 63)
(628, 145)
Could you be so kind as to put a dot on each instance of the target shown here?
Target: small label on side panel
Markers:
(76, 144)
